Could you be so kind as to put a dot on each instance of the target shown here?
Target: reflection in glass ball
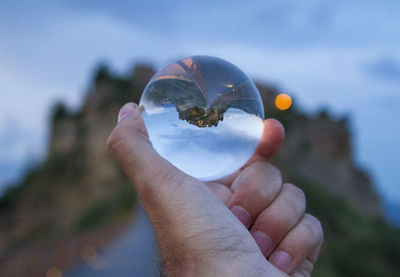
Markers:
(204, 115)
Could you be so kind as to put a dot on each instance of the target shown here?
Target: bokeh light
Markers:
(283, 101)
(54, 272)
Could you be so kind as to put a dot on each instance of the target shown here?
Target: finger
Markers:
(304, 270)
(272, 137)
(279, 218)
(253, 190)
(299, 245)
(221, 191)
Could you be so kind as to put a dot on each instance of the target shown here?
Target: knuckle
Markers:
(266, 168)
(298, 193)
(314, 227)
(297, 197)
(271, 177)
(272, 170)
(261, 179)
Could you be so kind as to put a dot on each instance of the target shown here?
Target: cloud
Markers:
(386, 68)
(284, 24)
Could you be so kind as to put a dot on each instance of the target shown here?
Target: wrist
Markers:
(217, 267)
(179, 266)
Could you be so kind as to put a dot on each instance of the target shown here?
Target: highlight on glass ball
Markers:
(204, 115)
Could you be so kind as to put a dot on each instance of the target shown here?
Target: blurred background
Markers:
(67, 66)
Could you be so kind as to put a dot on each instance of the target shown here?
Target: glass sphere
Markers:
(204, 115)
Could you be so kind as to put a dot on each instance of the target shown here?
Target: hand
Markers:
(246, 224)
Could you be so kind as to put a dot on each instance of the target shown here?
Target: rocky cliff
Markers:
(318, 149)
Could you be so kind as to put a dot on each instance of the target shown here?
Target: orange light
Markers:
(283, 101)
(54, 272)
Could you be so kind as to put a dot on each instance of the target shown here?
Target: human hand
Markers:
(197, 224)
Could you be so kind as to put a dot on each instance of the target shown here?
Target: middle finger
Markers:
(253, 190)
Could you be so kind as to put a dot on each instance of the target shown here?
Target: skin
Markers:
(247, 224)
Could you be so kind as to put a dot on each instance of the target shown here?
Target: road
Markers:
(133, 254)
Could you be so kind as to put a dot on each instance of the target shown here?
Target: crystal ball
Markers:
(204, 115)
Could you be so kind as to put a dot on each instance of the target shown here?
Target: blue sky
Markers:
(344, 55)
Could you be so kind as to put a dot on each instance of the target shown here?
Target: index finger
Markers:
(271, 140)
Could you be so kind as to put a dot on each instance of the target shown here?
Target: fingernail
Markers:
(242, 215)
(281, 260)
(264, 242)
(126, 110)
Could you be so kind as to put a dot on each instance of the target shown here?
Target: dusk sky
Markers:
(344, 55)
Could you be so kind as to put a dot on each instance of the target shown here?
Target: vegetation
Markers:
(355, 245)
(12, 194)
(102, 73)
(105, 210)
(59, 111)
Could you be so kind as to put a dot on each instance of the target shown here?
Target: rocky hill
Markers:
(318, 149)
(79, 187)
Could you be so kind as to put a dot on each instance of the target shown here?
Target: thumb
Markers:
(130, 145)
(174, 201)
(169, 196)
